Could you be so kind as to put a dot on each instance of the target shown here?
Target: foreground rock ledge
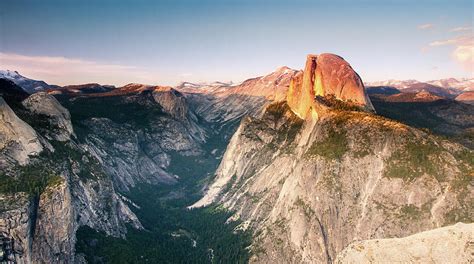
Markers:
(451, 244)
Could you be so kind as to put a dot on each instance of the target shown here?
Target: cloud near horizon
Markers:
(463, 51)
(64, 71)
(459, 29)
(425, 26)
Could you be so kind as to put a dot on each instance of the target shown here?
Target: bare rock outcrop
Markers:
(45, 104)
(466, 97)
(310, 188)
(15, 228)
(172, 101)
(18, 140)
(55, 225)
(450, 244)
(326, 75)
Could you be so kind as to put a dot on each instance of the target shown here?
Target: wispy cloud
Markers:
(444, 42)
(463, 49)
(425, 26)
(61, 70)
(459, 29)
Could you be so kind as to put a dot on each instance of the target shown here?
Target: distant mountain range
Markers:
(448, 88)
(463, 84)
(293, 167)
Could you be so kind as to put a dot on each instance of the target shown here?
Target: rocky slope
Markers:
(49, 186)
(466, 97)
(425, 247)
(134, 131)
(59, 119)
(225, 103)
(87, 88)
(442, 116)
(18, 141)
(97, 142)
(309, 187)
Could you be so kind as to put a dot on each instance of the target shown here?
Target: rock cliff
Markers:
(18, 140)
(50, 187)
(15, 227)
(227, 104)
(309, 187)
(326, 75)
(134, 130)
(59, 118)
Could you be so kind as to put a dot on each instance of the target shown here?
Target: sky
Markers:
(166, 42)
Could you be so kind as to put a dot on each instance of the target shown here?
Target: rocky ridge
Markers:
(308, 188)
(302, 186)
(466, 97)
(52, 188)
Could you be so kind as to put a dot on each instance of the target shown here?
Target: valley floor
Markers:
(173, 233)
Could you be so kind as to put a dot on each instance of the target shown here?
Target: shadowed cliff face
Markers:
(326, 75)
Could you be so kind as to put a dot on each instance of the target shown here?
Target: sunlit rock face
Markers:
(326, 74)
(450, 244)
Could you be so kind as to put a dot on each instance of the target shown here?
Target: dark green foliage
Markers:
(461, 214)
(229, 184)
(39, 122)
(32, 179)
(420, 115)
(45, 169)
(170, 227)
(286, 124)
(161, 218)
(334, 103)
(138, 110)
(308, 211)
(413, 159)
(12, 93)
(332, 147)
(277, 110)
(67, 154)
(442, 117)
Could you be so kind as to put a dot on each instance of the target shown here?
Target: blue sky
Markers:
(165, 42)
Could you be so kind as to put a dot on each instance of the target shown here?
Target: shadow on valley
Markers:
(443, 117)
(172, 233)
